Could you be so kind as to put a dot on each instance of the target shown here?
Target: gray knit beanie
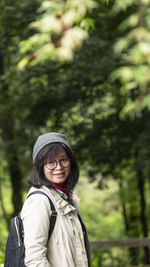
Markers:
(48, 138)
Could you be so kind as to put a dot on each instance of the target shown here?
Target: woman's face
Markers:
(60, 173)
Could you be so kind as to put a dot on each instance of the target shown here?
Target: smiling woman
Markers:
(58, 169)
(54, 172)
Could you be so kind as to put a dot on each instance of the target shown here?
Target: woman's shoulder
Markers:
(44, 193)
(39, 191)
(36, 200)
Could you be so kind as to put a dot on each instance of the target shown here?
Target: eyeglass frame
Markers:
(58, 161)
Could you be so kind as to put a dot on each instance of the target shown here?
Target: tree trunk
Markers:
(16, 182)
(141, 184)
(9, 137)
(129, 219)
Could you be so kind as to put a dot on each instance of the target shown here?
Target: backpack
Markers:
(15, 249)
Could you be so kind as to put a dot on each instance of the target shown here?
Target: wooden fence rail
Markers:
(132, 242)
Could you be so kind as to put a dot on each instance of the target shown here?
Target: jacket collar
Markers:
(63, 205)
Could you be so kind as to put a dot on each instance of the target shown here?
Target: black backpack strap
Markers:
(54, 212)
(82, 223)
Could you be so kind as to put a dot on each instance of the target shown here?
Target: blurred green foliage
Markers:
(60, 28)
(97, 95)
(133, 48)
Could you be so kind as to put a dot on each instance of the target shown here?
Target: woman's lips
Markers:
(59, 175)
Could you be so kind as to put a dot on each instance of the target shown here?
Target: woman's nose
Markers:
(59, 166)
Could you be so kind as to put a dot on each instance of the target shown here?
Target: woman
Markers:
(54, 172)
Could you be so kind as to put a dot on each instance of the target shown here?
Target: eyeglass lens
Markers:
(53, 163)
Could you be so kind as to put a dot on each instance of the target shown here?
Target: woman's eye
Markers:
(50, 162)
(64, 160)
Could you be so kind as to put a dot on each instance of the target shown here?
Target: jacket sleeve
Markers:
(36, 222)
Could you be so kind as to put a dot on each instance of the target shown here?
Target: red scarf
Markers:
(63, 189)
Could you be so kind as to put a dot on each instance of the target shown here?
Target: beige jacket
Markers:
(66, 246)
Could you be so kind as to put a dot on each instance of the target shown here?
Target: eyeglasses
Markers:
(52, 164)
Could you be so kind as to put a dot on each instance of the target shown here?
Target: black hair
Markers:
(36, 176)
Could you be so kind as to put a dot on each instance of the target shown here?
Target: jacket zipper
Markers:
(15, 220)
